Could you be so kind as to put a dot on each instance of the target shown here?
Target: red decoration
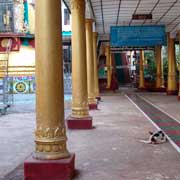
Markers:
(93, 106)
(77, 123)
(32, 43)
(62, 169)
(15, 43)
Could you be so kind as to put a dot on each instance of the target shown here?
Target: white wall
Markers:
(65, 27)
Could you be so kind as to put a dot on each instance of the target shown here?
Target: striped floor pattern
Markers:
(169, 125)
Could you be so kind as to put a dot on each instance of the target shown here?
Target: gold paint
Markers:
(111, 67)
(79, 68)
(96, 79)
(178, 67)
(159, 70)
(77, 5)
(90, 62)
(50, 136)
(172, 84)
(108, 62)
(141, 71)
(5, 43)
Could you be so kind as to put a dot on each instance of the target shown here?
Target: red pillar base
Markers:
(175, 92)
(179, 98)
(160, 89)
(93, 106)
(98, 98)
(80, 123)
(142, 89)
(62, 169)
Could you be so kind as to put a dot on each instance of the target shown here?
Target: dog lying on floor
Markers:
(157, 137)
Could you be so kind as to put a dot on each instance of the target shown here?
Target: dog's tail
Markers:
(146, 142)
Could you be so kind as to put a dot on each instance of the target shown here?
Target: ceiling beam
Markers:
(173, 20)
(118, 12)
(102, 14)
(151, 12)
(174, 27)
(65, 3)
(135, 11)
(166, 12)
(92, 9)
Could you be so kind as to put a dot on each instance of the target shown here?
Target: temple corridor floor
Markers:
(110, 151)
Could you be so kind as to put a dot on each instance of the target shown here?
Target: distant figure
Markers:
(133, 79)
(114, 82)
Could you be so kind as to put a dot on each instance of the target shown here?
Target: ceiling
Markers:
(119, 12)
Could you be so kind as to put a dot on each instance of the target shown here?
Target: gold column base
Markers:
(92, 101)
(50, 156)
(172, 84)
(160, 81)
(51, 143)
(179, 92)
(80, 112)
(159, 86)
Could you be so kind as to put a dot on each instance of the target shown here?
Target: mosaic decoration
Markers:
(22, 84)
(27, 84)
(19, 25)
(21, 87)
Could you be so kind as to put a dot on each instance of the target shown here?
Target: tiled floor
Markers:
(111, 151)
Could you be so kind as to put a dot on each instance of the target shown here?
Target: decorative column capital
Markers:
(95, 34)
(89, 21)
(107, 46)
(77, 4)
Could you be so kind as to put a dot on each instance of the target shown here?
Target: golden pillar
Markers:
(90, 64)
(179, 66)
(108, 61)
(111, 67)
(80, 109)
(141, 71)
(96, 79)
(50, 135)
(171, 84)
(51, 160)
(159, 70)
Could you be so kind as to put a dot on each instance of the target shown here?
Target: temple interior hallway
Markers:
(111, 151)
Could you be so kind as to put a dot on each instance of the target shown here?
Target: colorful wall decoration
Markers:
(4, 43)
(19, 24)
(22, 85)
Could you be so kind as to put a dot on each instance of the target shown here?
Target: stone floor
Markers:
(110, 151)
